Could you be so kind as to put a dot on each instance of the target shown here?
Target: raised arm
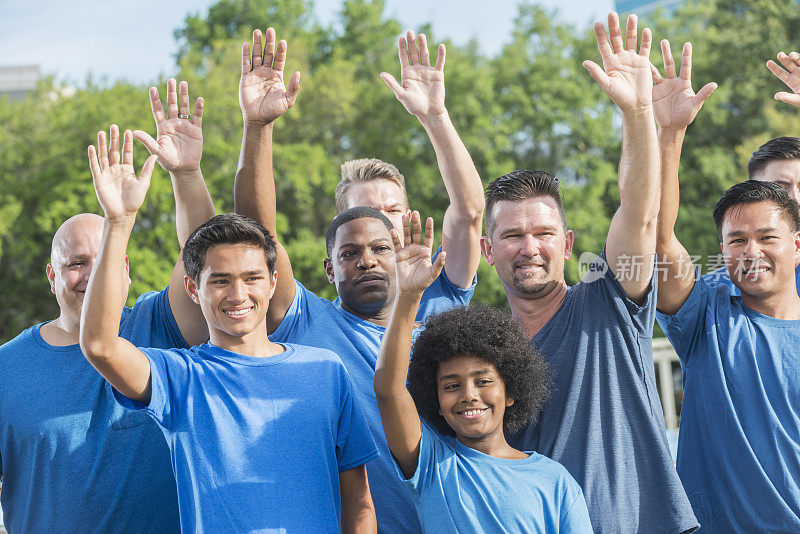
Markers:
(626, 78)
(421, 92)
(675, 105)
(179, 147)
(415, 273)
(263, 98)
(121, 195)
(790, 76)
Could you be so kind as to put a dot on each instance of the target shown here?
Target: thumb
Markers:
(597, 73)
(293, 88)
(147, 140)
(390, 80)
(147, 171)
(438, 265)
(789, 98)
(703, 94)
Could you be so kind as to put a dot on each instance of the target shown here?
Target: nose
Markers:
(529, 246)
(367, 260)
(237, 291)
(469, 392)
(753, 249)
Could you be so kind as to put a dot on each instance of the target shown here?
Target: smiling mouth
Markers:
(474, 413)
(238, 313)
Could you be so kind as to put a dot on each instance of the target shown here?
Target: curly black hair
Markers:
(490, 335)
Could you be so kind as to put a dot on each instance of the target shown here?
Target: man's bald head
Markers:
(81, 229)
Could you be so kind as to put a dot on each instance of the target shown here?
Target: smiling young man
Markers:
(604, 421)
(71, 460)
(263, 436)
(360, 259)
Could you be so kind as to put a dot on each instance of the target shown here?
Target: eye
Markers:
(450, 387)
(254, 278)
(382, 248)
(770, 237)
(346, 254)
(77, 263)
(484, 382)
(219, 282)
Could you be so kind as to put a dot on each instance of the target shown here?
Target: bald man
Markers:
(71, 458)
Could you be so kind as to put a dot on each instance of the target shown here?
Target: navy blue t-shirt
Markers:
(604, 421)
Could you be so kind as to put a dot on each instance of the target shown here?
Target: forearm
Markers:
(358, 510)
(391, 368)
(639, 169)
(670, 143)
(193, 204)
(254, 187)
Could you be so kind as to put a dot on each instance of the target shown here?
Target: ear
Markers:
(509, 401)
(191, 289)
(327, 264)
(51, 277)
(796, 249)
(273, 285)
(569, 240)
(486, 248)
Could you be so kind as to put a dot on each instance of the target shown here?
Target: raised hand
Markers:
(421, 90)
(626, 75)
(675, 104)
(118, 189)
(263, 96)
(790, 76)
(415, 272)
(179, 135)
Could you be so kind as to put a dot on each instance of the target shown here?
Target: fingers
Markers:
(127, 148)
(402, 52)
(172, 99)
(669, 62)
(631, 33)
(247, 66)
(778, 71)
(686, 62)
(269, 48)
(114, 144)
(395, 239)
(94, 165)
(147, 140)
(256, 58)
(787, 62)
(413, 53)
(790, 98)
(614, 31)
(183, 99)
(703, 94)
(155, 106)
(656, 75)
(280, 55)
(440, 58)
(428, 239)
(602, 42)
(147, 171)
(102, 150)
(647, 43)
(424, 56)
(293, 88)
(407, 228)
(390, 80)
(597, 73)
(197, 116)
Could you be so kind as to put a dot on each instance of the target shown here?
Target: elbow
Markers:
(95, 349)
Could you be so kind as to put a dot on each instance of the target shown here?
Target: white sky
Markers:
(133, 39)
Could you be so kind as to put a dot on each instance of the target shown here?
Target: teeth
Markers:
(470, 413)
(237, 313)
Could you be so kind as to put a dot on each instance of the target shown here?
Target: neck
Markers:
(494, 444)
(533, 313)
(380, 317)
(255, 343)
(784, 305)
(62, 331)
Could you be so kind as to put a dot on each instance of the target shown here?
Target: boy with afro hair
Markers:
(473, 377)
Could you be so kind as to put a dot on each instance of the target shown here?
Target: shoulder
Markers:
(23, 341)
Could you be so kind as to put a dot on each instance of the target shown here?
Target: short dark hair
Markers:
(778, 149)
(752, 191)
(228, 228)
(521, 185)
(492, 336)
(358, 212)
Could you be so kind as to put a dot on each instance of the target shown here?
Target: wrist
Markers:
(258, 124)
(671, 133)
(409, 298)
(121, 222)
(638, 113)
(434, 120)
(185, 176)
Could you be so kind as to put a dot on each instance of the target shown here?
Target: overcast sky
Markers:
(133, 39)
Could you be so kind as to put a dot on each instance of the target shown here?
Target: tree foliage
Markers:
(530, 106)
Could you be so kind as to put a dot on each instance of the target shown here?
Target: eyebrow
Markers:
(358, 245)
(766, 230)
(248, 273)
(473, 374)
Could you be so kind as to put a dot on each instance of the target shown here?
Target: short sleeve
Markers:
(443, 295)
(304, 308)
(169, 386)
(354, 443)
(150, 323)
(684, 328)
(575, 516)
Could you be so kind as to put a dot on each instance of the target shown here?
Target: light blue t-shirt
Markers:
(317, 322)
(257, 444)
(71, 459)
(457, 489)
(604, 420)
(721, 276)
(739, 445)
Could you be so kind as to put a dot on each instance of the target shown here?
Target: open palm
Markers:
(790, 76)
(421, 87)
(263, 96)
(119, 191)
(675, 104)
(415, 271)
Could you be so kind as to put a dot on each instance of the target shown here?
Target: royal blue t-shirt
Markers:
(71, 459)
(458, 489)
(721, 276)
(317, 322)
(739, 444)
(257, 444)
(604, 420)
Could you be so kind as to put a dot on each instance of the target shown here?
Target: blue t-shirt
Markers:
(721, 276)
(458, 489)
(71, 459)
(739, 445)
(257, 443)
(317, 322)
(604, 420)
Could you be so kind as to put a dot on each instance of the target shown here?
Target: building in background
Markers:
(642, 7)
(16, 82)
